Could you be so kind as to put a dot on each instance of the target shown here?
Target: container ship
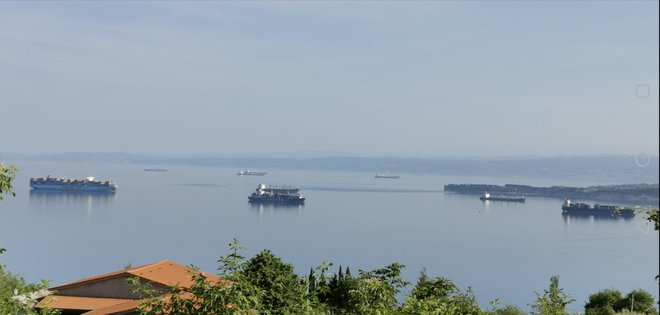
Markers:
(578, 208)
(277, 195)
(86, 184)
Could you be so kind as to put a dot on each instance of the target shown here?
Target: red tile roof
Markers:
(122, 308)
(78, 302)
(164, 272)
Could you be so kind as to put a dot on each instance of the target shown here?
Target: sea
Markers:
(189, 215)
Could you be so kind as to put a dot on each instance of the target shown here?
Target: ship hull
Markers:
(509, 199)
(624, 213)
(73, 187)
(251, 173)
(277, 200)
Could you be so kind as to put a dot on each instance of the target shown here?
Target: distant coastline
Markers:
(605, 169)
(630, 194)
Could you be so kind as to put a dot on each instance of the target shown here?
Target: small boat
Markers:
(385, 175)
(251, 173)
(277, 195)
(488, 197)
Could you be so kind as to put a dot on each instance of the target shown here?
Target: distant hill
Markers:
(611, 168)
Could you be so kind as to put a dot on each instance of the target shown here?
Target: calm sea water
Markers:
(190, 214)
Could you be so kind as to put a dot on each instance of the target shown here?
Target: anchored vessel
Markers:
(381, 175)
(277, 195)
(155, 170)
(487, 196)
(253, 173)
(86, 184)
(597, 210)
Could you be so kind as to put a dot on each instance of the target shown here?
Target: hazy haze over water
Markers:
(349, 78)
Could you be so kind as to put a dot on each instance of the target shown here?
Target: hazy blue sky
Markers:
(356, 78)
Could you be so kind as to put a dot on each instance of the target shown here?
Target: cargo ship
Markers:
(86, 184)
(489, 197)
(381, 175)
(251, 173)
(578, 208)
(155, 169)
(277, 195)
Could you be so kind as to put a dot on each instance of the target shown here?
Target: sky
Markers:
(353, 78)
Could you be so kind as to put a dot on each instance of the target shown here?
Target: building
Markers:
(112, 294)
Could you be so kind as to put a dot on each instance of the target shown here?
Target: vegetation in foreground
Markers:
(265, 284)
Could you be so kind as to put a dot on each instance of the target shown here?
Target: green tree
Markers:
(333, 292)
(507, 310)
(7, 176)
(19, 297)
(439, 288)
(653, 218)
(439, 296)
(553, 301)
(375, 291)
(637, 301)
(283, 292)
(602, 302)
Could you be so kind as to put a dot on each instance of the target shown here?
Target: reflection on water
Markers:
(260, 207)
(74, 200)
(263, 210)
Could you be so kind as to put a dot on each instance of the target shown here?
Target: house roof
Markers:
(164, 272)
(131, 305)
(122, 308)
(79, 302)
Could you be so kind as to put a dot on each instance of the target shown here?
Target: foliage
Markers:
(19, 297)
(7, 176)
(374, 291)
(265, 284)
(653, 218)
(602, 302)
(606, 302)
(439, 296)
(282, 291)
(638, 301)
(553, 301)
(507, 310)
(331, 294)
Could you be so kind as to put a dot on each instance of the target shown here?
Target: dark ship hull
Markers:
(509, 199)
(276, 200)
(596, 210)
